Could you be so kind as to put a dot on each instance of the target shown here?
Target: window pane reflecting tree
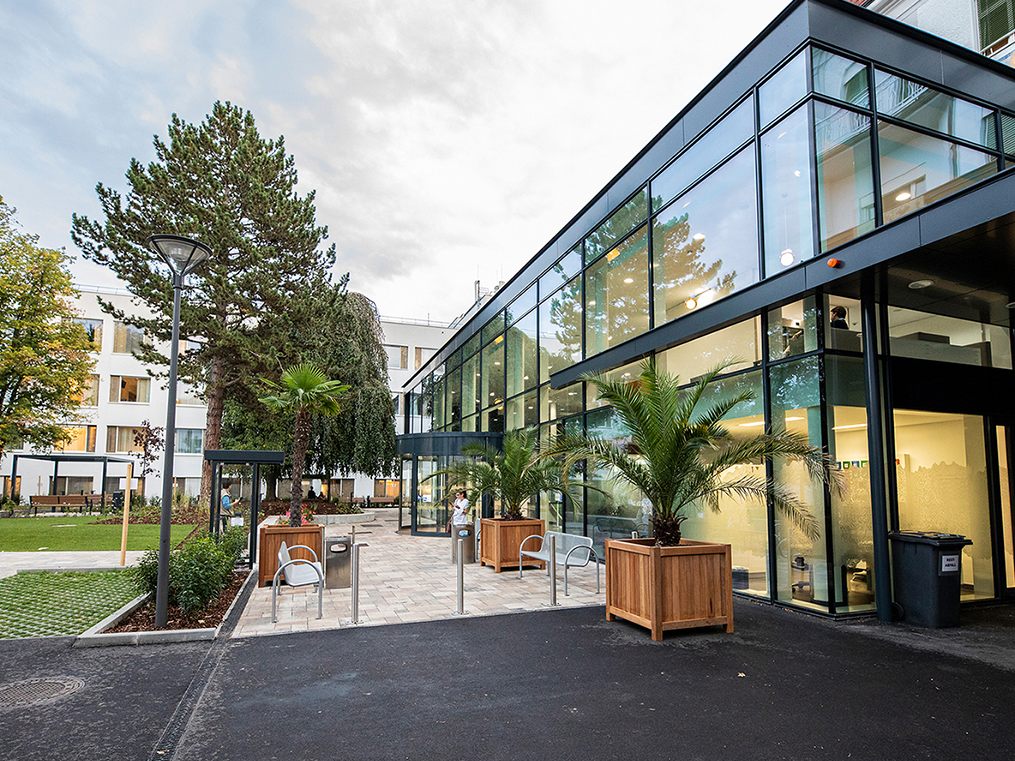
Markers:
(616, 295)
(560, 330)
(786, 193)
(845, 175)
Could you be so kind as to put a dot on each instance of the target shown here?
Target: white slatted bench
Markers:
(572, 552)
(298, 573)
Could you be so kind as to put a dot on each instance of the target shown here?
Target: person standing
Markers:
(460, 517)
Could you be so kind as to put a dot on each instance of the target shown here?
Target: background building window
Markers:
(387, 487)
(93, 329)
(128, 388)
(82, 439)
(398, 357)
(188, 395)
(423, 353)
(120, 438)
(189, 440)
(89, 396)
(997, 20)
(126, 338)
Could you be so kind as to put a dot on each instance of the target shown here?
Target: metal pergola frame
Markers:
(57, 458)
(253, 457)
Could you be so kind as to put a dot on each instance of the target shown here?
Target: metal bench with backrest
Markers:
(298, 573)
(572, 551)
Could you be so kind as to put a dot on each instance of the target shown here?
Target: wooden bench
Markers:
(566, 546)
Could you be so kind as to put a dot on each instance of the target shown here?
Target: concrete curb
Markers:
(96, 637)
(73, 569)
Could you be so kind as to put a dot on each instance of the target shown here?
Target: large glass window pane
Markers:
(628, 374)
(736, 128)
(917, 169)
(1008, 134)
(851, 527)
(439, 395)
(844, 324)
(492, 420)
(557, 403)
(705, 243)
(453, 383)
(840, 78)
(616, 226)
(493, 328)
(616, 295)
(800, 559)
(560, 330)
(926, 107)
(568, 266)
(492, 386)
(845, 175)
(742, 523)
(521, 305)
(941, 472)
(793, 329)
(521, 355)
(523, 411)
(738, 343)
(786, 193)
(472, 345)
(615, 508)
(937, 337)
(471, 403)
(784, 89)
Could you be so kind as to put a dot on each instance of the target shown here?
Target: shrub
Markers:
(315, 506)
(198, 570)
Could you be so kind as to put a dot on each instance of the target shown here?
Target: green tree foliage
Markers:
(304, 391)
(44, 361)
(678, 451)
(219, 181)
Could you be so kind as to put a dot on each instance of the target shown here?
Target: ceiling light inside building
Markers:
(918, 285)
(786, 258)
(612, 255)
(691, 303)
(905, 195)
(628, 280)
(592, 302)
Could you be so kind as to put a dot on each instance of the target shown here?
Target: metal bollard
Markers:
(460, 560)
(355, 583)
(634, 534)
(553, 570)
(352, 538)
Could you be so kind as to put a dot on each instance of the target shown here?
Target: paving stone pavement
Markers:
(12, 562)
(407, 579)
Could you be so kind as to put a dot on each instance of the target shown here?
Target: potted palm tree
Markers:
(677, 454)
(304, 390)
(514, 475)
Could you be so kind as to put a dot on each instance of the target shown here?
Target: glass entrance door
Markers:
(1004, 460)
(942, 485)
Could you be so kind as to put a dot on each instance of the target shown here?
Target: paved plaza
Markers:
(407, 579)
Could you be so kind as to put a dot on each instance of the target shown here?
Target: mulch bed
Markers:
(143, 619)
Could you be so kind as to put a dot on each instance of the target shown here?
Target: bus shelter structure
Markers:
(221, 458)
(65, 457)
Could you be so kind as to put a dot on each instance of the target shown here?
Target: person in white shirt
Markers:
(461, 515)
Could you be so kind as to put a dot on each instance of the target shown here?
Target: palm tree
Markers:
(678, 450)
(304, 390)
(513, 474)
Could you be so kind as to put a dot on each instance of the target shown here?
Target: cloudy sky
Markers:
(447, 140)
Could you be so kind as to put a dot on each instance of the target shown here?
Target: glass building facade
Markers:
(829, 149)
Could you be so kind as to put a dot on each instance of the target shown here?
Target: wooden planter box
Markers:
(499, 540)
(666, 588)
(271, 539)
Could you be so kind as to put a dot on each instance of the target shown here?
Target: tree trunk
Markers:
(270, 486)
(301, 439)
(215, 395)
(666, 529)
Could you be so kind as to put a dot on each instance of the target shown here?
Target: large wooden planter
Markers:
(271, 538)
(499, 539)
(666, 588)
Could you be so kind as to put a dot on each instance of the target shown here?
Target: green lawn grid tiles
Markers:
(50, 603)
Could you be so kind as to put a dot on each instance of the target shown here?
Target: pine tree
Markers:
(44, 360)
(220, 182)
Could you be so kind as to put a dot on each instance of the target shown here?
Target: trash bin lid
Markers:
(343, 547)
(930, 537)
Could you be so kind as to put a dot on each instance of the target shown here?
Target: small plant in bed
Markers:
(202, 581)
(315, 506)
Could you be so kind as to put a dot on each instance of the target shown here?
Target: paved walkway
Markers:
(12, 562)
(410, 579)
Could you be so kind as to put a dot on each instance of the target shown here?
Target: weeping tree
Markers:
(303, 391)
(515, 474)
(678, 452)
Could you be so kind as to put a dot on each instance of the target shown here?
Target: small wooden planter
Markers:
(271, 539)
(499, 539)
(666, 588)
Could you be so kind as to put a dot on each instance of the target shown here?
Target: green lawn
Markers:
(52, 603)
(62, 533)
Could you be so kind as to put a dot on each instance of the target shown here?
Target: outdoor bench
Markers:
(572, 551)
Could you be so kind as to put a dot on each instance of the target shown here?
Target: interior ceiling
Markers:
(972, 274)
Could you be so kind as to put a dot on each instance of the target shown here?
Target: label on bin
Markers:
(949, 564)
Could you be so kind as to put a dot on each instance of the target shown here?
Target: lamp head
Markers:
(181, 254)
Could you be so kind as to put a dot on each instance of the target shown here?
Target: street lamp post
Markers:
(182, 255)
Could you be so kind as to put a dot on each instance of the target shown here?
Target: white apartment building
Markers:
(122, 395)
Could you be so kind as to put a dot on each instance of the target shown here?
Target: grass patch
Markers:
(78, 533)
(54, 603)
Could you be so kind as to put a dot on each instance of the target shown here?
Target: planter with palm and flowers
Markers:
(680, 456)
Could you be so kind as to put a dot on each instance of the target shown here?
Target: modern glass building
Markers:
(836, 210)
